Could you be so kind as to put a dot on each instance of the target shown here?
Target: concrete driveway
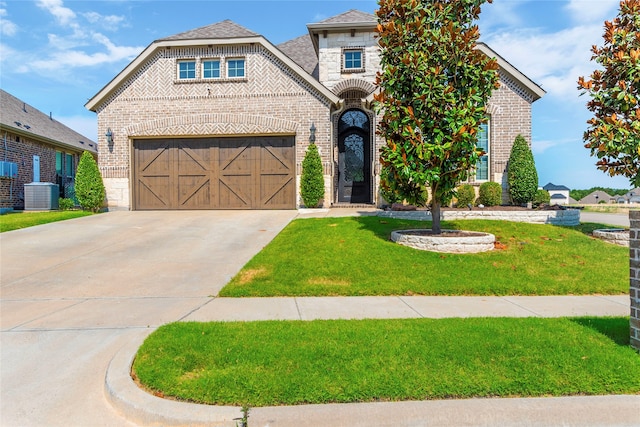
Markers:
(74, 292)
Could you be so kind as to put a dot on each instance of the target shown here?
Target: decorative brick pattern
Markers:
(634, 279)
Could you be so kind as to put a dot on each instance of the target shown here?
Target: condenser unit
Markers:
(8, 170)
(41, 196)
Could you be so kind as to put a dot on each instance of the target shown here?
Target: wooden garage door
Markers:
(214, 173)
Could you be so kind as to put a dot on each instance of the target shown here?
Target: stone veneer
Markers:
(634, 279)
(565, 217)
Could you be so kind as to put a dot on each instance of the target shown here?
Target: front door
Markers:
(354, 157)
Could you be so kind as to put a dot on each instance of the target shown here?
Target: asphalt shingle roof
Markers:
(301, 51)
(350, 16)
(226, 29)
(552, 187)
(21, 116)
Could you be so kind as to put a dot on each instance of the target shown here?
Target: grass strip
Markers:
(295, 362)
(16, 220)
(354, 256)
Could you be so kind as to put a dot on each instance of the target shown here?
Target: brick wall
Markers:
(634, 280)
(20, 150)
(270, 100)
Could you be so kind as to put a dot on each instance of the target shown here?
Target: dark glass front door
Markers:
(354, 158)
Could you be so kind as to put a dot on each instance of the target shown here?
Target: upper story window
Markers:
(187, 70)
(235, 68)
(352, 59)
(482, 168)
(211, 69)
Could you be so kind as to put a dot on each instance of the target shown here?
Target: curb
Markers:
(145, 409)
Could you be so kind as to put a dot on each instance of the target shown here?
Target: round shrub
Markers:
(490, 194)
(542, 197)
(466, 195)
(89, 188)
(65, 204)
(312, 180)
(522, 175)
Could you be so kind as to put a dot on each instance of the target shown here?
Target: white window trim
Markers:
(488, 155)
(183, 61)
(244, 68)
(220, 68)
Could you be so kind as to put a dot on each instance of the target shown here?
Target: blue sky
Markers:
(56, 54)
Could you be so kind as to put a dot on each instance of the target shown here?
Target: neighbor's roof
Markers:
(558, 196)
(219, 34)
(552, 187)
(21, 118)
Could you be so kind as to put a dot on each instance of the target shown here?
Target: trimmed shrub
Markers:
(66, 204)
(490, 194)
(312, 180)
(542, 197)
(89, 188)
(522, 175)
(466, 195)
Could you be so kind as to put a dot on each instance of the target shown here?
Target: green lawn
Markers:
(296, 362)
(354, 256)
(17, 220)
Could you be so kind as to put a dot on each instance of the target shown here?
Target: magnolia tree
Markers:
(613, 135)
(433, 90)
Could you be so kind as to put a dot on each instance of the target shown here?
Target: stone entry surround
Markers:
(634, 280)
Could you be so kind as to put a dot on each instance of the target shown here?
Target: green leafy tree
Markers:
(542, 197)
(312, 180)
(89, 188)
(613, 135)
(434, 86)
(522, 175)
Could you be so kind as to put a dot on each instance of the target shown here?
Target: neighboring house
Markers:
(35, 148)
(220, 118)
(596, 197)
(559, 194)
(632, 196)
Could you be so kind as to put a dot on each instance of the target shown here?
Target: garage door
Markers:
(214, 173)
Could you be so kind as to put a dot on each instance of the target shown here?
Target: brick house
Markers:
(35, 148)
(220, 118)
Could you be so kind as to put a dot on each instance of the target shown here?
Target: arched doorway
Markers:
(354, 157)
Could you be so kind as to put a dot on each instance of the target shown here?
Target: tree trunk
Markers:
(435, 216)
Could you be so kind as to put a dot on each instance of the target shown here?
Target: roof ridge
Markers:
(219, 30)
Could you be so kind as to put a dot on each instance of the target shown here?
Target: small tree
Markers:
(89, 188)
(434, 87)
(542, 197)
(613, 135)
(522, 175)
(312, 180)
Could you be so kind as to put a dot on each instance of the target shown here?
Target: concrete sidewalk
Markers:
(402, 307)
(145, 409)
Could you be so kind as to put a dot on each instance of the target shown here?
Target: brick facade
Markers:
(272, 99)
(20, 150)
(634, 280)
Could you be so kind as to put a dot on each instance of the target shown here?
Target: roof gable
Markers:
(226, 29)
(20, 117)
(350, 16)
(302, 52)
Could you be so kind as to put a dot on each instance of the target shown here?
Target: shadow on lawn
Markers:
(382, 227)
(614, 328)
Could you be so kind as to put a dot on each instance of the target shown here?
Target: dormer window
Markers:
(352, 60)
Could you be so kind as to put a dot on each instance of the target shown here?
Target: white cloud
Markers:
(64, 15)
(108, 22)
(7, 28)
(553, 60)
(592, 11)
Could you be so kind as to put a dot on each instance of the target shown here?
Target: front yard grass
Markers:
(295, 362)
(354, 256)
(17, 220)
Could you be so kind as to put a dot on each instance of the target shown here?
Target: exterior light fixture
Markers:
(312, 133)
(109, 136)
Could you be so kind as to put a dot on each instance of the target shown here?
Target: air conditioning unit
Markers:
(8, 170)
(41, 196)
